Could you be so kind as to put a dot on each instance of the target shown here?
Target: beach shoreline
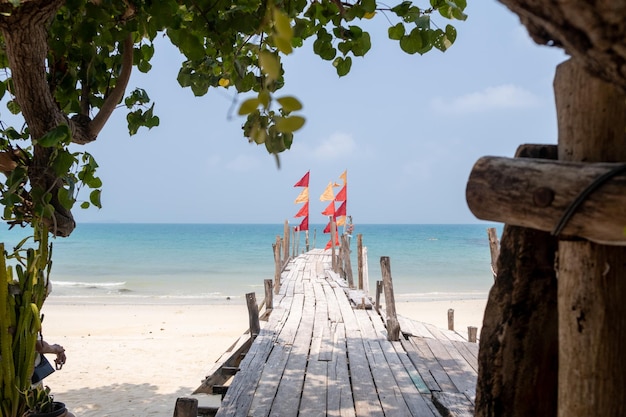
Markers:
(136, 359)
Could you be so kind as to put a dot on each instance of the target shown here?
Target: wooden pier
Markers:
(321, 354)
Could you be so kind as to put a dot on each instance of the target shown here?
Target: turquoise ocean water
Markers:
(206, 263)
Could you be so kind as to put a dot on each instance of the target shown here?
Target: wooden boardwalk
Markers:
(320, 355)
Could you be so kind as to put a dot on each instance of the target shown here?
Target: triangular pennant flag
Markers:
(344, 177)
(304, 210)
(341, 221)
(304, 181)
(342, 195)
(304, 225)
(303, 197)
(341, 211)
(327, 228)
(330, 210)
(329, 244)
(328, 193)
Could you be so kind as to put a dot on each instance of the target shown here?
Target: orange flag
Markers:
(304, 211)
(304, 181)
(341, 221)
(328, 194)
(303, 197)
(344, 177)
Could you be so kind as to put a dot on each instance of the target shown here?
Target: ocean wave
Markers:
(79, 284)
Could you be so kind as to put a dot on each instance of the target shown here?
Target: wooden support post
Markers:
(186, 407)
(346, 260)
(269, 295)
(253, 314)
(333, 236)
(450, 319)
(494, 249)
(591, 286)
(286, 241)
(379, 290)
(472, 334)
(306, 239)
(393, 326)
(359, 248)
(277, 266)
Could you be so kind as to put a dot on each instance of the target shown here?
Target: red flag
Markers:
(342, 195)
(304, 211)
(304, 225)
(329, 244)
(341, 211)
(330, 210)
(327, 228)
(304, 181)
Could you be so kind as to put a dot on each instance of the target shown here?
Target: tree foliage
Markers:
(66, 65)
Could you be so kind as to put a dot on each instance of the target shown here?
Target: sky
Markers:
(406, 128)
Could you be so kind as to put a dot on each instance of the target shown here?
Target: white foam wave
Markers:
(79, 284)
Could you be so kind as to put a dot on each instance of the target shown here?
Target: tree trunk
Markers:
(592, 284)
(518, 367)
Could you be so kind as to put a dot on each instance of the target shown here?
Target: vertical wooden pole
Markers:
(494, 248)
(450, 319)
(186, 407)
(253, 314)
(286, 240)
(306, 237)
(393, 327)
(277, 267)
(359, 253)
(472, 334)
(591, 285)
(333, 233)
(296, 242)
(346, 261)
(269, 295)
(379, 290)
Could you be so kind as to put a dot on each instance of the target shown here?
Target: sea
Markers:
(219, 263)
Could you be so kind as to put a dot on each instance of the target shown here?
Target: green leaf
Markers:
(13, 107)
(282, 25)
(369, 5)
(270, 65)
(3, 89)
(63, 162)
(289, 124)
(289, 103)
(84, 205)
(248, 106)
(396, 32)
(343, 65)
(362, 45)
(411, 43)
(94, 198)
(65, 198)
(58, 135)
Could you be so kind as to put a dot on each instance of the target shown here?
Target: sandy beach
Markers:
(135, 360)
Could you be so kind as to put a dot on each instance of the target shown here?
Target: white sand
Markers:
(135, 360)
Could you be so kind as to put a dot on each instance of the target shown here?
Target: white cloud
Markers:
(336, 146)
(506, 96)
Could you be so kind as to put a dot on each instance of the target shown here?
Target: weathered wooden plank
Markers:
(415, 376)
(453, 404)
(286, 402)
(432, 359)
(468, 355)
(230, 358)
(359, 299)
(339, 395)
(277, 360)
(334, 312)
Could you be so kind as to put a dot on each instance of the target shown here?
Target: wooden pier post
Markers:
(277, 266)
(494, 249)
(253, 314)
(346, 262)
(286, 241)
(186, 407)
(269, 295)
(333, 236)
(472, 334)
(393, 326)
(379, 289)
(450, 319)
(359, 248)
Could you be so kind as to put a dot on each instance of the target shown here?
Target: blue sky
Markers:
(406, 128)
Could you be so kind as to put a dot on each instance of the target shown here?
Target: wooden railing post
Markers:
(379, 290)
(286, 241)
(277, 265)
(333, 234)
(450, 319)
(186, 407)
(346, 260)
(359, 248)
(472, 334)
(393, 326)
(253, 314)
(269, 295)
